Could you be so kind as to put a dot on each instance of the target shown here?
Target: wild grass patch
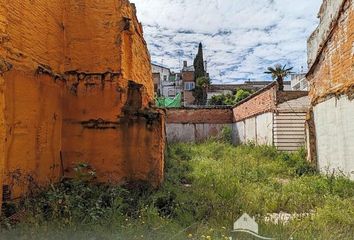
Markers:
(207, 187)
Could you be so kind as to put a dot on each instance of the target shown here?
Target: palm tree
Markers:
(278, 73)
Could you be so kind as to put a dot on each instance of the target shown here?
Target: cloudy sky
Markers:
(241, 38)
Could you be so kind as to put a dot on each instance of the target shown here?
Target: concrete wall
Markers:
(193, 132)
(258, 129)
(196, 124)
(335, 135)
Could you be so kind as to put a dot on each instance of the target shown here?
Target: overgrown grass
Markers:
(207, 187)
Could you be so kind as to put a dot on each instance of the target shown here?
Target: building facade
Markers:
(166, 82)
(188, 83)
(299, 82)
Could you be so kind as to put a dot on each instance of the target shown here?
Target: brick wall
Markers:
(188, 76)
(188, 98)
(332, 71)
(194, 115)
(260, 102)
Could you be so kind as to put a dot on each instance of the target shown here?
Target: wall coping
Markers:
(199, 108)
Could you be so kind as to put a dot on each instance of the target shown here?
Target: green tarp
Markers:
(166, 102)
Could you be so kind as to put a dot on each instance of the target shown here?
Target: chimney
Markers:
(185, 63)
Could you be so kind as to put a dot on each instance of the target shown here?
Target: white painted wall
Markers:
(238, 133)
(334, 121)
(257, 129)
(265, 129)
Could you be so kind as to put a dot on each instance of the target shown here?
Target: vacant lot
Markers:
(208, 186)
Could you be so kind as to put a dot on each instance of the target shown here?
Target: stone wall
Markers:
(76, 86)
(331, 78)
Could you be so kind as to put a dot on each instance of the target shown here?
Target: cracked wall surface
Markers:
(76, 86)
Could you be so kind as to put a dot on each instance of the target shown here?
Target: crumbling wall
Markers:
(328, 15)
(2, 133)
(331, 72)
(331, 78)
(107, 122)
(76, 86)
(31, 35)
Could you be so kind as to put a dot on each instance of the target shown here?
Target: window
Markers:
(189, 86)
(164, 77)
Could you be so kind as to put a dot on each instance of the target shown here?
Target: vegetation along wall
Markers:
(331, 76)
(75, 87)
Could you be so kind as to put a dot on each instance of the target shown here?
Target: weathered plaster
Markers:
(328, 16)
(335, 135)
(78, 88)
(258, 129)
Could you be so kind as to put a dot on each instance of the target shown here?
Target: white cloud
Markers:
(241, 38)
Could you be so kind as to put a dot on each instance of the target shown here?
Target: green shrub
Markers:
(226, 135)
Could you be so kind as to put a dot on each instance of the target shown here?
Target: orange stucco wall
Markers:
(76, 86)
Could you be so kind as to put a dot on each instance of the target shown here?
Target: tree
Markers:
(229, 99)
(201, 90)
(278, 73)
(202, 81)
(241, 94)
(199, 63)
